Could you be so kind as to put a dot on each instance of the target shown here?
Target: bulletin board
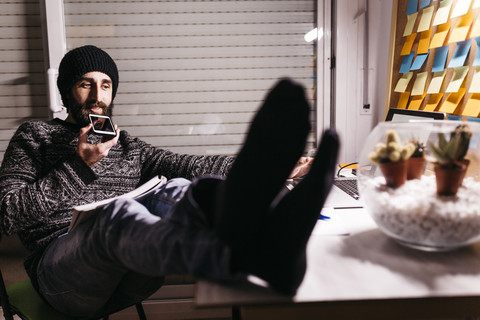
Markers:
(434, 60)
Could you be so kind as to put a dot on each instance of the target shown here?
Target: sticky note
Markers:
(407, 46)
(424, 3)
(475, 84)
(472, 107)
(412, 6)
(424, 42)
(410, 24)
(460, 8)
(419, 84)
(460, 54)
(440, 59)
(426, 19)
(403, 82)
(476, 61)
(457, 79)
(439, 37)
(452, 101)
(476, 4)
(407, 63)
(403, 100)
(432, 103)
(459, 33)
(416, 102)
(436, 82)
(443, 11)
(475, 32)
(418, 62)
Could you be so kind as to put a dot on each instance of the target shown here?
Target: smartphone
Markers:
(102, 125)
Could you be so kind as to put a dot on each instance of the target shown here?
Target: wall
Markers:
(355, 88)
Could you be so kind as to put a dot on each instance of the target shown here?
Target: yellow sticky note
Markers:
(459, 33)
(424, 42)
(443, 11)
(407, 46)
(419, 84)
(459, 74)
(426, 19)
(475, 84)
(416, 102)
(436, 82)
(472, 107)
(403, 82)
(403, 100)
(410, 24)
(476, 4)
(433, 101)
(439, 37)
(476, 28)
(452, 101)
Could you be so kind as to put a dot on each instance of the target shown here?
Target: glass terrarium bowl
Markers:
(415, 214)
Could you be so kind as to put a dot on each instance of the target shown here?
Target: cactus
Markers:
(392, 150)
(419, 151)
(450, 153)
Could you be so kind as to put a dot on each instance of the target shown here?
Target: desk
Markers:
(355, 271)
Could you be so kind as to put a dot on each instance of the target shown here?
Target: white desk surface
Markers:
(351, 260)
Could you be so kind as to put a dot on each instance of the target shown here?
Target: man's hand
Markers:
(301, 168)
(92, 153)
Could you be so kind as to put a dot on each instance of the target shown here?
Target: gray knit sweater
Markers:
(42, 177)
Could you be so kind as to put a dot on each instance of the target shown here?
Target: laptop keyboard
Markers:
(349, 186)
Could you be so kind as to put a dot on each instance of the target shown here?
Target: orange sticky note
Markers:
(433, 101)
(459, 33)
(424, 42)
(416, 102)
(407, 46)
(472, 107)
(403, 100)
(439, 37)
(452, 101)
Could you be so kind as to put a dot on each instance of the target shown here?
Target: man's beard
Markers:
(80, 112)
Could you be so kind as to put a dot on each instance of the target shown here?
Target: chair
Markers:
(21, 299)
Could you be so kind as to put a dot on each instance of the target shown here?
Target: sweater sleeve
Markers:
(36, 182)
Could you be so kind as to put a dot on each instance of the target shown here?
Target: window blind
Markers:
(22, 75)
(192, 73)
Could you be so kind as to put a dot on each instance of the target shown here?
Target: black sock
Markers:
(279, 255)
(275, 141)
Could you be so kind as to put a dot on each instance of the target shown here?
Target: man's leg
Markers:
(91, 270)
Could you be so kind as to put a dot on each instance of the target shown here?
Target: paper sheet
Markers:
(403, 82)
(472, 107)
(452, 101)
(457, 79)
(407, 63)
(403, 100)
(424, 42)
(419, 84)
(410, 24)
(426, 19)
(419, 61)
(459, 33)
(460, 8)
(433, 101)
(412, 6)
(407, 46)
(443, 10)
(441, 54)
(436, 82)
(475, 84)
(476, 28)
(416, 102)
(460, 54)
(439, 37)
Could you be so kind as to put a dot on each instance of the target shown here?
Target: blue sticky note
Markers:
(412, 7)
(407, 63)
(460, 54)
(454, 117)
(424, 3)
(440, 59)
(419, 60)
(476, 62)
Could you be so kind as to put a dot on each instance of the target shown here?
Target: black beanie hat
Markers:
(80, 61)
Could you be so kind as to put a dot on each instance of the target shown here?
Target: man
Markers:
(214, 227)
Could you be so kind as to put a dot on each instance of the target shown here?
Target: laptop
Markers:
(344, 192)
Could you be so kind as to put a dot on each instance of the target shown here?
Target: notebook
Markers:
(341, 195)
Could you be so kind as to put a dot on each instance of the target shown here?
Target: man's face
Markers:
(91, 94)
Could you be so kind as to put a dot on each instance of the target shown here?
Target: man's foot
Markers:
(274, 143)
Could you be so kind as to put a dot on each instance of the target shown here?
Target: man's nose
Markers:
(95, 93)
